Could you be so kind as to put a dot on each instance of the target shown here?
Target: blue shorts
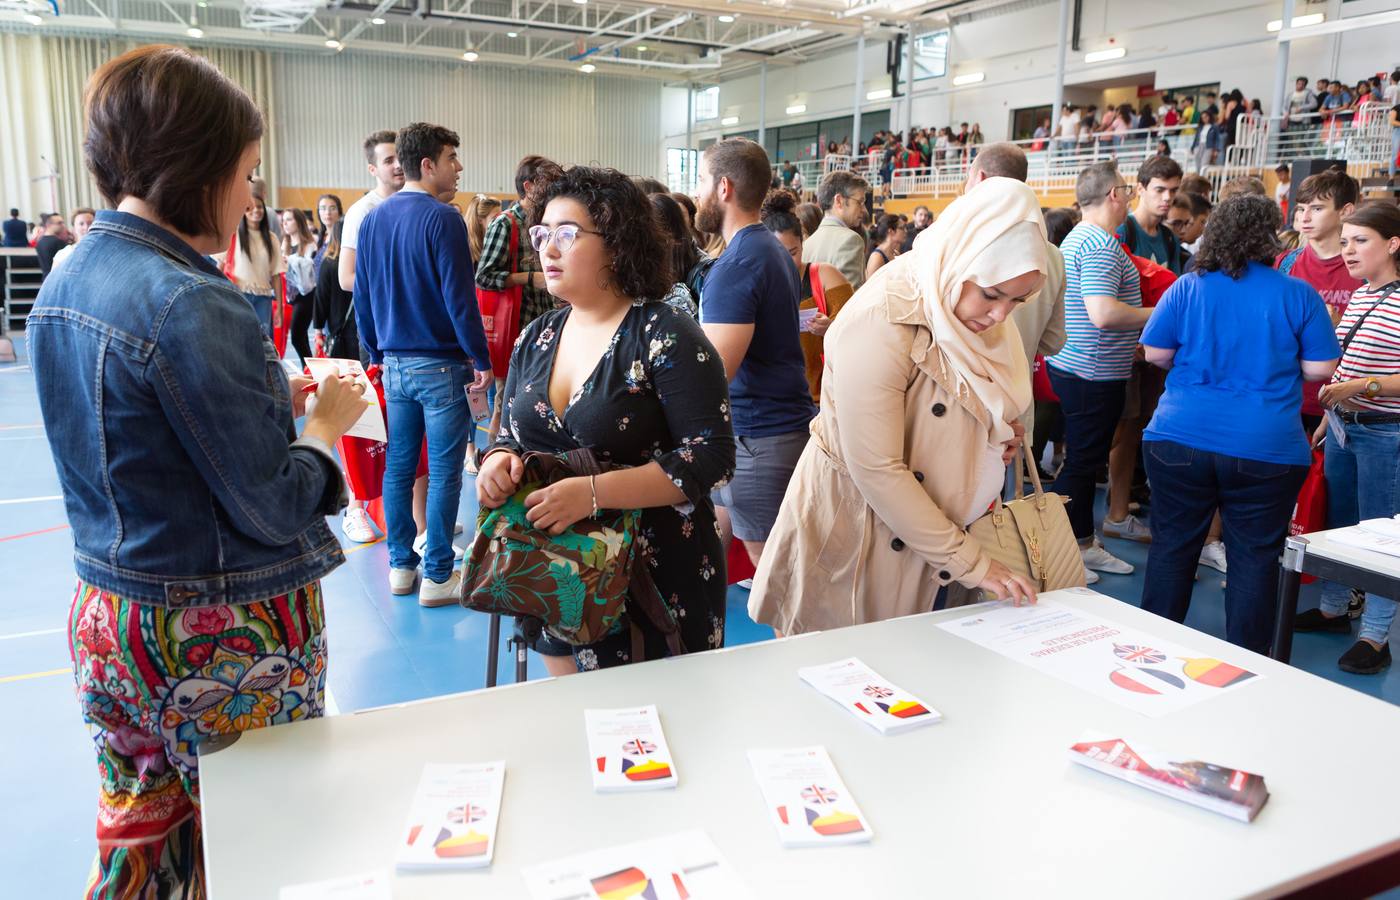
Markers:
(762, 468)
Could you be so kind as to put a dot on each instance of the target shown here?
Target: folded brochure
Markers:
(874, 700)
(807, 801)
(452, 824)
(370, 425)
(1227, 791)
(627, 750)
(683, 866)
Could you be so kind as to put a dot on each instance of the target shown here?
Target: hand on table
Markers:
(1003, 584)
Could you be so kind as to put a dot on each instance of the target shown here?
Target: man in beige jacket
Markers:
(841, 195)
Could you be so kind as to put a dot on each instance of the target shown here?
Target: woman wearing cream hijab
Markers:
(924, 379)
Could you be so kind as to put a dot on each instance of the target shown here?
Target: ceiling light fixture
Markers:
(1105, 55)
(334, 44)
(194, 30)
(969, 78)
(882, 94)
(641, 48)
(588, 68)
(203, 4)
(726, 19)
(512, 34)
(377, 20)
(32, 19)
(471, 56)
(1297, 22)
(797, 109)
(729, 120)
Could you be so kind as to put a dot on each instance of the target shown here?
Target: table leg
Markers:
(1288, 584)
(493, 650)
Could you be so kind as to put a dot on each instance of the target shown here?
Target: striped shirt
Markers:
(1096, 266)
(1375, 350)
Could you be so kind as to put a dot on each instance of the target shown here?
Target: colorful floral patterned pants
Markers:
(153, 683)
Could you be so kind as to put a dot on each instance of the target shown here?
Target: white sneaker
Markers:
(440, 593)
(358, 526)
(1090, 576)
(401, 581)
(1130, 529)
(457, 528)
(1213, 555)
(420, 546)
(1096, 557)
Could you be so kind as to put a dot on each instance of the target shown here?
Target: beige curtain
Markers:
(42, 106)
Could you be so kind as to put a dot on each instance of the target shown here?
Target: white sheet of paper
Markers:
(1387, 527)
(806, 800)
(627, 750)
(805, 317)
(1335, 426)
(375, 885)
(683, 865)
(1368, 538)
(453, 818)
(874, 700)
(1130, 667)
(370, 425)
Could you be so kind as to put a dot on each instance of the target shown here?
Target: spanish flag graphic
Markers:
(904, 709)
(1213, 672)
(650, 770)
(450, 846)
(833, 823)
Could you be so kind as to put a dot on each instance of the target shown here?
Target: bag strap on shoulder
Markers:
(1289, 260)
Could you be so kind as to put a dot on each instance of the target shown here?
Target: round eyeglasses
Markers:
(563, 236)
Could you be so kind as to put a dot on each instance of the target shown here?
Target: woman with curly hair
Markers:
(1238, 339)
(635, 381)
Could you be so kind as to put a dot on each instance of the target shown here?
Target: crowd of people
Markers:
(843, 397)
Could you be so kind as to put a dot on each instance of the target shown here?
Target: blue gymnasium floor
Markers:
(383, 649)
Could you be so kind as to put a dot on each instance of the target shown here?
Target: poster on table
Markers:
(1130, 667)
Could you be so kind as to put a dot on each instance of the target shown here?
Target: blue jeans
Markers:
(424, 395)
(1255, 500)
(1091, 412)
(1363, 482)
(1394, 147)
(262, 308)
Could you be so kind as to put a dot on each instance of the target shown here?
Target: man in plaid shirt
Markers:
(494, 271)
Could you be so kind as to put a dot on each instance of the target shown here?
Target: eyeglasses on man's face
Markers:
(1126, 191)
(563, 236)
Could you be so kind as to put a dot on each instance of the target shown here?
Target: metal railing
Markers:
(1260, 144)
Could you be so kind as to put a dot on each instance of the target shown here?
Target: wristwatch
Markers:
(1373, 387)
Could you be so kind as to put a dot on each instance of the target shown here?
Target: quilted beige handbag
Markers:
(1032, 536)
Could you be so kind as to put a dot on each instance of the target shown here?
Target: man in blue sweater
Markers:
(418, 318)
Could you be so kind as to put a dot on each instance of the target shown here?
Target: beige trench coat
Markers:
(873, 521)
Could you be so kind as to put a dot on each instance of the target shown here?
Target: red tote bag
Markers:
(500, 312)
(1310, 513)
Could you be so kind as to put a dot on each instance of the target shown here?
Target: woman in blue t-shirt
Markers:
(1239, 339)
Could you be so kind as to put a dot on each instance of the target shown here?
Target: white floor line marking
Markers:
(23, 634)
(6, 371)
(31, 499)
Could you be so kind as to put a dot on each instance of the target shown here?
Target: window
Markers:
(930, 55)
(682, 169)
(1025, 121)
(707, 103)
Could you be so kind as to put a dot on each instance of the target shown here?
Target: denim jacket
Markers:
(170, 421)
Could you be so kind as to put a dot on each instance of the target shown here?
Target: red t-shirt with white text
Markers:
(1329, 277)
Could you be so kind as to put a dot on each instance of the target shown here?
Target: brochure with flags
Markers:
(807, 801)
(1230, 792)
(684, 866)
(874, 700)
(375, 885)
(627, 750)
(452, 823)
(370, 425)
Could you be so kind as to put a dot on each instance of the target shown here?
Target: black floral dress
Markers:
(657, 395)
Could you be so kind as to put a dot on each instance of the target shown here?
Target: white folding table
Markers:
(985, 803)
(1318, 554)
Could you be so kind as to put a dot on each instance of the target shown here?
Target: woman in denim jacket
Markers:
(197, 514)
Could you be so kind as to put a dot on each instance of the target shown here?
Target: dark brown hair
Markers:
(419, 141)
(641, 267)
(1241, 230)
(1333, 184)
(684, 254)
(167, 127)
(745, 164)
(1162, 167)
(374, 140)
(811, 216)
(264, 229)
(535, 169)
(1196, 184)
(779, 213)
(1382, 217)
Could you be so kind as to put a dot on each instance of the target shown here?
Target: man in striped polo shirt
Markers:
(1103, 319)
